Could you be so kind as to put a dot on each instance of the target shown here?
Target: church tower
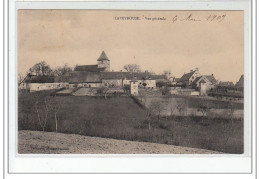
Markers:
(103, 62)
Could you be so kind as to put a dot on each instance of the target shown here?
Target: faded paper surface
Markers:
(177, 41)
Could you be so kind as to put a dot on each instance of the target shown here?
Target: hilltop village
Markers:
(99, 75)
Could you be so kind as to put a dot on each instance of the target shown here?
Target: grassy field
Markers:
(122, 118)
(190, 106)
(38, 142)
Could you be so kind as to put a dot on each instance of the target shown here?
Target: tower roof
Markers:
(103, 56)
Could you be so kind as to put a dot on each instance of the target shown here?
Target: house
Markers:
(186, 80)
(102, 65)
(37, 83)
(240, 84)
(134, 87)
(100, 75)
(120, 79)
(173, 80)
(209, 80)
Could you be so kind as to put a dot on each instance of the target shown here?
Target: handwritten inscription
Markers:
(177, 18)
(190, 17)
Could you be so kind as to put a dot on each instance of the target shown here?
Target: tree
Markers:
(148, 117)
(59, 71)
(142, 96)
(132, 68)
(203, 108)
(172, 107)
(160, 84)
(156, 108)
(41, 69)
(231, 112)
(166, 90)
(181, 106)
(56, 105)
(20, 78)
(103, 90)
(228, 128)
(126, 88)
(42, 111)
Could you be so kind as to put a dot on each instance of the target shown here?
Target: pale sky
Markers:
(79, 36)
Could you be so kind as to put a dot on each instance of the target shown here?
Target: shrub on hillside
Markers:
(126, 88)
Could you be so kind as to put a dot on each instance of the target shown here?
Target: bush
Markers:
(100, 90)
(160, 84)
(163, 125)
(165, 90)
(126, 88)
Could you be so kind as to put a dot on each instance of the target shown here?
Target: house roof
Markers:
(38, 79)
(123, 75)
(97, 77)
(84, 77)
(88, 68)
(157, 77)
(186, 76)
(240, 83)
(196, 80)
(211, 78)
(103, 56)
(130, 76)
(112, 75)
(176, 79)
(203, 81)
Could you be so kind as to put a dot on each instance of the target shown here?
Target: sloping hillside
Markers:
(121, 118)
(57, 143)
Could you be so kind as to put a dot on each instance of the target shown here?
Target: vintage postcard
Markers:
(130, 82)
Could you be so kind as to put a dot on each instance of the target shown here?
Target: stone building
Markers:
(186, 80)
(103, 62)
(100, 75)
(134, 87)
(210, 82)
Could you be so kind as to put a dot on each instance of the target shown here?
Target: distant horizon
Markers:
(77, 37)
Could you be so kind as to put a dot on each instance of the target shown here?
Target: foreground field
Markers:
(57, 143)
(121, 118)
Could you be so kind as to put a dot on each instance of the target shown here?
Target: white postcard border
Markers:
(226, 163)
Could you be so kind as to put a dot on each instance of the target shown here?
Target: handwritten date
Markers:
(192, 18)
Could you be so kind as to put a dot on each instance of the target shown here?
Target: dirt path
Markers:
(58, 143)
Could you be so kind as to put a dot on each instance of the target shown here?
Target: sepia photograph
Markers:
(130, 82)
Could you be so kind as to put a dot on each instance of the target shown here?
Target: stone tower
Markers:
(103, 61)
